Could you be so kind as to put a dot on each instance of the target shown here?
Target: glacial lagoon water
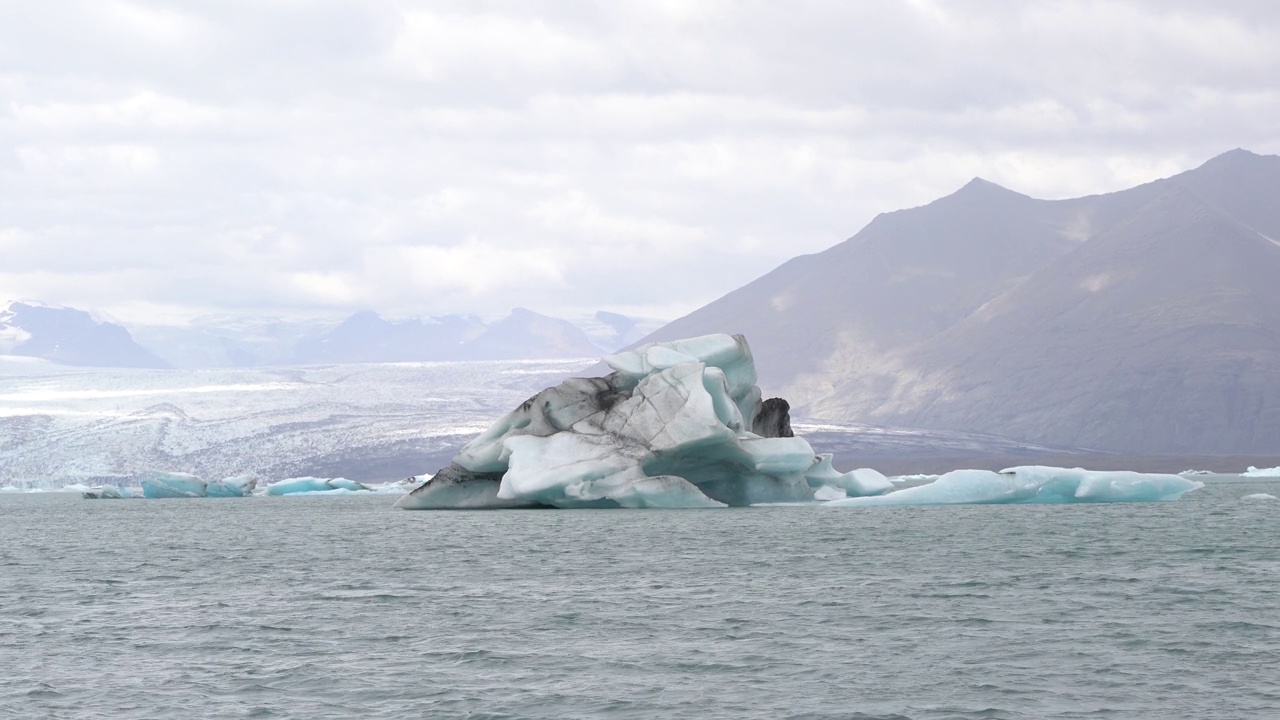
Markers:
(335, 607)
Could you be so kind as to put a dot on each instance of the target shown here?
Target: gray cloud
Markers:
(647, 156)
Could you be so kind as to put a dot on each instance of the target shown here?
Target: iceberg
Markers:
(1034, 484)
(675, 425)
(172, 485)
(1261, 472)
(107, 492)
(301, 485)
(237, 486)
(1259, 496)
(855, 483)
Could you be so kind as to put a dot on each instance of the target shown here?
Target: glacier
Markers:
(677, 424)
(1034, 484)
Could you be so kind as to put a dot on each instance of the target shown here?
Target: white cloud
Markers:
(448, 156)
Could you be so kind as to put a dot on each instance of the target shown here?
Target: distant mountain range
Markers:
(69, 337)
(72, 337)
(1146, 320)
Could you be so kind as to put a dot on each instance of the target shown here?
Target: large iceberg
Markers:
(676, 425)
(1034, 484)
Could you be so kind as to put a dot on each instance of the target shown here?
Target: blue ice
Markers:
(295, 486)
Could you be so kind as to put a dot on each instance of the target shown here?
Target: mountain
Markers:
(527, 334)
(367, 337)
(613, 331)
(228, 341)
(69, 337)
(1146, 320)
(222, 341)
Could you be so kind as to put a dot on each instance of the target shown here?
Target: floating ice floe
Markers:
(1034, 484)
(313, 485)
(186, 485)
(1261, 472)
(237, 486)
(172, 485)
(107, 492)
(676, 425)
(1259, 496)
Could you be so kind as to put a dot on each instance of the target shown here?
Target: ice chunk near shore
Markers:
(1034, 484)
(678, 424)
(299, 485)
(172, 485)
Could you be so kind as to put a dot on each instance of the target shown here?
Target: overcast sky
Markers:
(159, 160)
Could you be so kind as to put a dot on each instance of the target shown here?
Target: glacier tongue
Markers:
(670, 427)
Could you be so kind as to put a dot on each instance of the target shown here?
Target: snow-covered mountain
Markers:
(1146, 320)
(366, 337)
(69, 337)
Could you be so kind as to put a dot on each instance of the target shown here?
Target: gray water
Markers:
(322, 607)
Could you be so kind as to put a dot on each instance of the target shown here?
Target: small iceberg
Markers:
(1034, 484)
(1261, 472)
(172, 485)
(235, 486)
(1259, 496)
(313, 485)
(107, 492)
(186, 485)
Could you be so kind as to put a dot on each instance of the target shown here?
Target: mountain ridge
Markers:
(869, 329)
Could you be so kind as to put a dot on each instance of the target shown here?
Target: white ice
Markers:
(107, 492)
(1259, 496)
(1261, 472)
(1035, 484)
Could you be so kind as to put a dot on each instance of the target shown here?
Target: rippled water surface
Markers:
(344, 607)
